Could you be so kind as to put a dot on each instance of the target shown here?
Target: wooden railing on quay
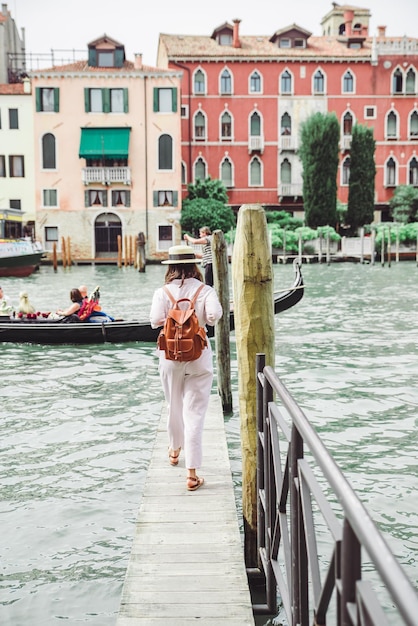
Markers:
(302, 495)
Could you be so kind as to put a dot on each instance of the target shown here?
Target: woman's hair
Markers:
(75, 295)
(205, 229)
(183, 271)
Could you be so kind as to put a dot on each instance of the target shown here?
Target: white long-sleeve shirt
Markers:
(208, 308)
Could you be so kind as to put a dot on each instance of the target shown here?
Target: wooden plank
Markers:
(187, 559)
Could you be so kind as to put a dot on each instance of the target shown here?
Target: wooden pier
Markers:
(187, 558)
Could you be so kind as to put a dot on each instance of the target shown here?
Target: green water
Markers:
(77, 426)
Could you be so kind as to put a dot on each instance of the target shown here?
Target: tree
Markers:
(206, 205)
(318, 152)
(360, 208)
(404, 204)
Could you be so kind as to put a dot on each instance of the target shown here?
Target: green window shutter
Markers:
(87, 100)
(92, 57)
(175, 198)
(106, 100)
(125, 101)
(128, 198)
(86, 199)
(119, 57)
(155, 99)
(174, 100)
(56, 99)
(155, 198)
(38, 99)
(104, 196)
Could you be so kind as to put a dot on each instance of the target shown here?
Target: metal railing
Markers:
(290, 498)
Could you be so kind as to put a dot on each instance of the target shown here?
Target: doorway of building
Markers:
(107, 227)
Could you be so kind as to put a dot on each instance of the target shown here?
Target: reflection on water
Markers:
(77, 426)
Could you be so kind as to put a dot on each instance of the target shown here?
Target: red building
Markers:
(245, 97)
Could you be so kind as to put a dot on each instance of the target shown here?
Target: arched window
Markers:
(48, 152)
(199, 126)
(410, 87)
(390, 172)
(413, 125)
(255, 125)
(226, 82)
(348, 82)
(255, 82)
(226, 172)
(392, 125)
(165, 152)
(226, 126)
(286, 124)
(346, 171)
(183, 173)
(255, 172)
(200, 169)
(397, 81)
(286, 172)
(347, 124)
(199, 85)
(286, 82)
(318, 82)
(413, 172)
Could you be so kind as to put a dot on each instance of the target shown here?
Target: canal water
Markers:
(77, 425)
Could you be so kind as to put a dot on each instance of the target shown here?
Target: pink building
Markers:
(107, 153)
(245, 97)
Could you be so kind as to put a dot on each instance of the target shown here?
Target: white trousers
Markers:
(187, 388)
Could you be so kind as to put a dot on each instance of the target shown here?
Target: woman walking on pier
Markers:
(186, 384)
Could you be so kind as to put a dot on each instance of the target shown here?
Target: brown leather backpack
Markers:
(182, 338)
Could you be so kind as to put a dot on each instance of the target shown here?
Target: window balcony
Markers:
(106, 175)
(256, 144)
(346, 143)
(287, 142)
(290, 189)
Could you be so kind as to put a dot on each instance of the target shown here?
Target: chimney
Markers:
(138, 61)
(381, 31)
(348, 22)
(364, 31)
(235, 41)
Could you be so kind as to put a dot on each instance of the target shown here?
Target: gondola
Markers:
(47, 331)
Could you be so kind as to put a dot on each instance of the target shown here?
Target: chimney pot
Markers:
(138, 61)
(236, 42)
(381, 31)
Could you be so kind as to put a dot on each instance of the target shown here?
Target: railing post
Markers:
(299, 575)
(350, 571)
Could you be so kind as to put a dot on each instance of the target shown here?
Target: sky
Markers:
(72, 24)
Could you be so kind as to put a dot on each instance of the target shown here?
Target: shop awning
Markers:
(109, 143)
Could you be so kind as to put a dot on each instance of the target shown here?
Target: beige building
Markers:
(107, 154)
(17, 183)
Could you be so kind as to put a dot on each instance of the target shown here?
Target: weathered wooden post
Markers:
(125, 249)
(372, 246)
(222, 330)
(389, 247)
(69, 260)
(119, 250)
(54, 256)
(252, 273)
(63, 253)
(140, 252)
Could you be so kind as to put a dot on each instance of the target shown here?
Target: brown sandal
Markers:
(194, 482)
(174, 458)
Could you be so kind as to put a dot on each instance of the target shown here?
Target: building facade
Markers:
(244, 99)
(107, 153)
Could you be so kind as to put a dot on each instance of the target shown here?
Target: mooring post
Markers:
(140, 252)
(222, 329)
(252, 273)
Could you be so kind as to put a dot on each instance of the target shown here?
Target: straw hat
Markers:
(179, 255)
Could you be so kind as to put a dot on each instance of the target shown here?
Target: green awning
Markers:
(109, 143)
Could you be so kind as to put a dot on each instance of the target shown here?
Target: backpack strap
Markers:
(193, 300)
